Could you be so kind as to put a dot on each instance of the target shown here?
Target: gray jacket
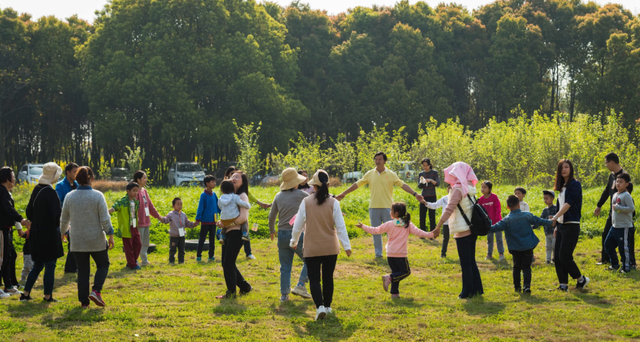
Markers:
(86, 211)
(622, 215)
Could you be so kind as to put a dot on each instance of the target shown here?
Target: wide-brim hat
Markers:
(291, 179)
(50, 174)
(316, 178)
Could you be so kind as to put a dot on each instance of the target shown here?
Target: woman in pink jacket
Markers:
(398, 230)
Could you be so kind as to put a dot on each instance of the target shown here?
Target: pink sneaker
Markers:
(96, 298)
(386, 281)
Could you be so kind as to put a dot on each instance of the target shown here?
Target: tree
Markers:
(246, 138)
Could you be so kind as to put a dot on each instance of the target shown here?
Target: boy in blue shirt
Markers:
(521, 240)
(207, 215)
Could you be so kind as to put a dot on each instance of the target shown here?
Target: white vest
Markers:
(457, 224)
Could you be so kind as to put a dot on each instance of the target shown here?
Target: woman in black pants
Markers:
(428, 181)
(8, 218)
(233, 243)
(567, 229)
(44, 213)
(324, 228)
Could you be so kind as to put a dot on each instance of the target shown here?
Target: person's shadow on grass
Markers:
(478, 306)
(332, 328)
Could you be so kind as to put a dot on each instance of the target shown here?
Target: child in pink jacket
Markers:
(398, 230)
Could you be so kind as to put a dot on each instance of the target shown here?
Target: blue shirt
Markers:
(208, 208)
(517, 229)
(63, 187)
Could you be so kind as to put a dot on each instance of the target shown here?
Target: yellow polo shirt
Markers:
(381, 186)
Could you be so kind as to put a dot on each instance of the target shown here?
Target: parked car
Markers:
(270, 179)
(351, 177)
(119, 174)
(30, 173)
(186, 173)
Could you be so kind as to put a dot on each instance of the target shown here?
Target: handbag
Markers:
(480, 223)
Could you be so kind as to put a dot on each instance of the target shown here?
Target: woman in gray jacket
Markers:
(86, 210)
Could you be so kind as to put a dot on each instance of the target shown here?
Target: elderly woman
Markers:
(230, 250)
(325, 230)
(44, 212)
(284, 208)
(86, 210)
(462, 180)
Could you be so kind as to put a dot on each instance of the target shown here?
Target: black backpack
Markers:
(480, 223)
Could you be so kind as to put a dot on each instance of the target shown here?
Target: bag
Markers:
(480, 223)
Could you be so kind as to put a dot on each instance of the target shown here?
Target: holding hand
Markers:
(111, 243)
(340, 197)
(359, 225)
(111, 210)
(348, 251)
(596, 212)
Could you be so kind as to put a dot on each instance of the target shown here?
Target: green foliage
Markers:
(342, 157)
(393, 143)
(304, 154)
(133, 159)
(247, 142)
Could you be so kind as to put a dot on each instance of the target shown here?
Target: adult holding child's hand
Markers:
(462, 180)
(325, 230)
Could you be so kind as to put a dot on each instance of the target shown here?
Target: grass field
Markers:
(176, 303)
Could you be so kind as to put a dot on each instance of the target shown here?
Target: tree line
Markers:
(171, 77)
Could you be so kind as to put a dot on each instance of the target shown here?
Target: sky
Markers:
(86, 8)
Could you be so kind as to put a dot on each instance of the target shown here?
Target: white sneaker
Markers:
(13, 291)
(250, 256)
(328, 311)
(4, 295)
(300, 291)
(321, 312)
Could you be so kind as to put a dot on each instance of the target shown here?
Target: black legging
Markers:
(322, 294)
(566, 240)
(8, 269)
(232, 276)
(432, 215)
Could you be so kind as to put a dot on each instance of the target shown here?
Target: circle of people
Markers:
(310, 224)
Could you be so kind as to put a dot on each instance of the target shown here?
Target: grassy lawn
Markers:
(176, 303)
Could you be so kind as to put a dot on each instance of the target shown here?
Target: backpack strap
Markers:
(466, 219)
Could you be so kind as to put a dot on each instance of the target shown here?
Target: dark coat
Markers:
(44, 213)
(8, 214)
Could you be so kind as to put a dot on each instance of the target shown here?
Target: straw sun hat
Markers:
(291, 179)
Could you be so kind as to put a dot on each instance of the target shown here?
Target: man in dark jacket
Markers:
(63, 187)
(612, 162)
(8, 218)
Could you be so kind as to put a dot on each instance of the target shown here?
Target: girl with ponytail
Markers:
(398, 230)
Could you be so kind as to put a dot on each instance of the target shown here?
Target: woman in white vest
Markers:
(462, 180)
(324, 227)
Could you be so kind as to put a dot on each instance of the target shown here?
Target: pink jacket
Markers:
(143, 219)
(397, 245)
(492, 206)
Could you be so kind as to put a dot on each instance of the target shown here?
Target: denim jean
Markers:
(49, 276)
(471, 281)
(285, 254)
(498, 238)
(378, 216)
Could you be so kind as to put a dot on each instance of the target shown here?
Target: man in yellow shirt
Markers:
(381, 182)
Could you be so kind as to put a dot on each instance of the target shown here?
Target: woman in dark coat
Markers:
(8, 218)
(46, 242)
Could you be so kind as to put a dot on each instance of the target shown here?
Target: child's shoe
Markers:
(198, 259)
(212, 259)
(501, 258)
(245, 236)
(527, 290)
(395, 296)
(386, 281)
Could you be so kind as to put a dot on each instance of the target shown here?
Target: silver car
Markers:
(186, 174)
(30, 173)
